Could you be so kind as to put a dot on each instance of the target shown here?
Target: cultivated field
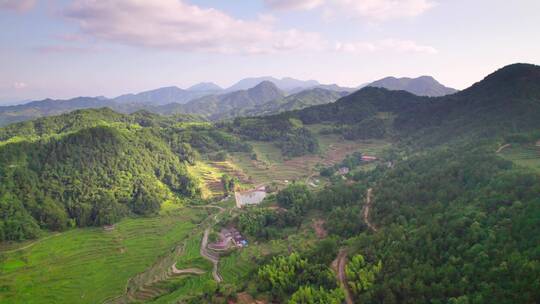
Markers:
(91, 265)
(271, 166)
(524, 155)
(209, 174)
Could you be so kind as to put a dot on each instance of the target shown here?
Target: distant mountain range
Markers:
(217, 106)
(264, 99)
(285, 84)
(248, 97)
(167, 95)
(421, 86)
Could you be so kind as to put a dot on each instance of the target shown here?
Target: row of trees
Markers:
(295, 277)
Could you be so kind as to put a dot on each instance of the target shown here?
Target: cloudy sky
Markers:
(66, 48)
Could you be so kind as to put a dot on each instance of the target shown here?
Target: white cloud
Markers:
(293, 4)
(372, 10)
(393, 45)
(19, 85)
(381, 10)
(175, 24)
(17, 5)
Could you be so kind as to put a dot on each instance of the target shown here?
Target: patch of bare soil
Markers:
(367, 208)
(246, 298)
(318, 226)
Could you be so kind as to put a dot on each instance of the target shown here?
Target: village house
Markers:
(343, 171)
(368, 158)
(227, 238)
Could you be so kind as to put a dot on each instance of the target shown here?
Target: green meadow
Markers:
(91, 265)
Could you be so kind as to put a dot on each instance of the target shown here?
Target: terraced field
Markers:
(524, 155)
(210, 173)
(191, 257)
(270, 166)
(91, 265)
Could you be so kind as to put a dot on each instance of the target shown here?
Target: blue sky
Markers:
(68, 48)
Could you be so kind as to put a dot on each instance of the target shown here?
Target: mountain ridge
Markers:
(421, 86)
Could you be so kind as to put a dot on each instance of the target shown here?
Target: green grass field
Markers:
(90, 265)
(191, 257)
(523, 155)
(186, 287)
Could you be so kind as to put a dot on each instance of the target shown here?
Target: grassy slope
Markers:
(524, 155)
(90, 265)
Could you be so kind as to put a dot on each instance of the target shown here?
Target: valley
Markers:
(269, 152)
(103, 207)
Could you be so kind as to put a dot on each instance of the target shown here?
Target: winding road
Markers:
(367, 208)
(501, 148)
(196, 271)
(341, 263)
(211, 257)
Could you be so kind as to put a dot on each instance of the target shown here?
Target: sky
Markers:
(69, 48)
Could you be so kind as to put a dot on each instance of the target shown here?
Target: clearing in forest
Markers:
(270, 166)
(526, 155)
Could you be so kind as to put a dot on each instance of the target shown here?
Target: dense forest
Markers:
(93, 167)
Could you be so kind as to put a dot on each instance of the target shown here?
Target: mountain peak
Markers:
(285, 84)
(265, 85)
(519, 79)
(515, 72)
(265, 91)
(205, 86)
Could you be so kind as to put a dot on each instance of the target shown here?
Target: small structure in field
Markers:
(343, 171)
(368, 158)
(250, 197)
(229, 237)
(109, 227)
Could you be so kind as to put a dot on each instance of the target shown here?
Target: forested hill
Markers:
(507, 101)
(93, 167)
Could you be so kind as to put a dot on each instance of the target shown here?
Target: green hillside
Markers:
(93, 167)
(448, 211)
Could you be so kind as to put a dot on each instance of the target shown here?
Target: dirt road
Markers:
(501, 148)
(340, 263)
(32, 244)
(195, 271)
(214, 259)
(367, 208)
